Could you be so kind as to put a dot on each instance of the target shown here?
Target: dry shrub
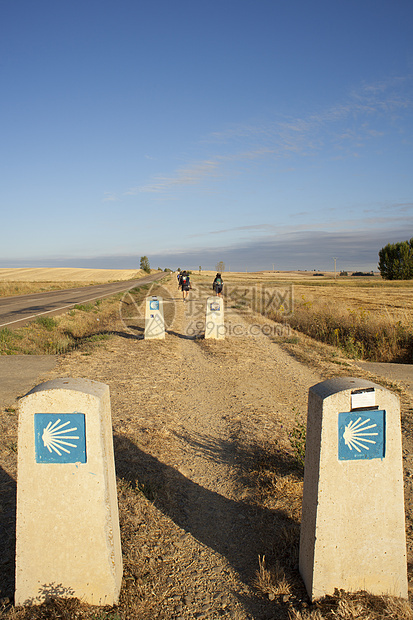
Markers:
(271, 581)
(272, 486)
(305, 615)
(85, 322)
(277, 481)
(56, 609)
(360, 333)
(287, 495)
(368, 319)
(356, 606)
(50, 336)
(286, 546)
(32, 340)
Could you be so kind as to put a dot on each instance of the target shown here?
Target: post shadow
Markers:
(182, 336)
(8, 490)
(225, 525)
(211, 518)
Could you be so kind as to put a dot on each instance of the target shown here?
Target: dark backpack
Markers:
(185, 280)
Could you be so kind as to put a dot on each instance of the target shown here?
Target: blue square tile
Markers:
(361, 435)
(60, 437)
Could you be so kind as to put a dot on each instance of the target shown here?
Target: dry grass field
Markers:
(85, 323)
(37, 280)
(42, 274)
(365, 316)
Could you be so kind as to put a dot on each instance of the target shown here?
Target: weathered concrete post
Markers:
(67, 534)
(154, 318)
(353, 525)
(214, 324)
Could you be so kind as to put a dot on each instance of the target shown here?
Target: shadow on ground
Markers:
(237, 530)
(7, 534)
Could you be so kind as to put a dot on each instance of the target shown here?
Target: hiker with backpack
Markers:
(185, 284)
(217, 285)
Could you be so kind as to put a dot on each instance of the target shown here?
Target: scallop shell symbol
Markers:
(55, 437)
(355, 435)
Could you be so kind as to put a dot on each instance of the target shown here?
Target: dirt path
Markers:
(196, 424)
(190, 419)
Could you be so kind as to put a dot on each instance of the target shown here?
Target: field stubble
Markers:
(366, 317)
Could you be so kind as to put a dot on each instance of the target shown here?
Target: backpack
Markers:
(184, 280)
(218, 282)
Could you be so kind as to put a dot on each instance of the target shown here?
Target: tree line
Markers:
(396, 261)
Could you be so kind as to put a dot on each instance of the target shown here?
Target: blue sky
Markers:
(258, 132)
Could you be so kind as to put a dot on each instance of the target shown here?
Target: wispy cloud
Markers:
(379, 219)
(195, 173)
(110, 197)
(343, 129)
(396, 209)
(258, 228)
(190, 175)
(345, 121)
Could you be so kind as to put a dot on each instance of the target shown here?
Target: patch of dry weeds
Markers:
(356, 606)
(272, 581)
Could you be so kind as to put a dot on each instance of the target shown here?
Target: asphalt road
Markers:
(402, 373)
(18, 310)
(20, 373)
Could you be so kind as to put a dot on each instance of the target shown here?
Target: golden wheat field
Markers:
(39, 280)
(365, 316)
(57, 274)
(348, 293)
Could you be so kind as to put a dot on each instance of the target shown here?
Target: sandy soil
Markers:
(194, 420)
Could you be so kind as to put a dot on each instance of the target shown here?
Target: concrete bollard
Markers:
(353, 522)
(154, 318)
(214, 324)
(67, 532)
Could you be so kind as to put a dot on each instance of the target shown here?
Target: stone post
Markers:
(353, 523)
(214, 324)
(154, 318)
(67, 534)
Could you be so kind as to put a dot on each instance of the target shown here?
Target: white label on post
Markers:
(363, 398)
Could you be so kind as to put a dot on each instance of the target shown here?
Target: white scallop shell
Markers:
(355, 435)
(55, 437)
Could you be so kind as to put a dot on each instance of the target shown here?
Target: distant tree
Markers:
(396, 261)
(220, 266)
(145, 264)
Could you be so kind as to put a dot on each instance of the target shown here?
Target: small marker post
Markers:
(353, 523)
